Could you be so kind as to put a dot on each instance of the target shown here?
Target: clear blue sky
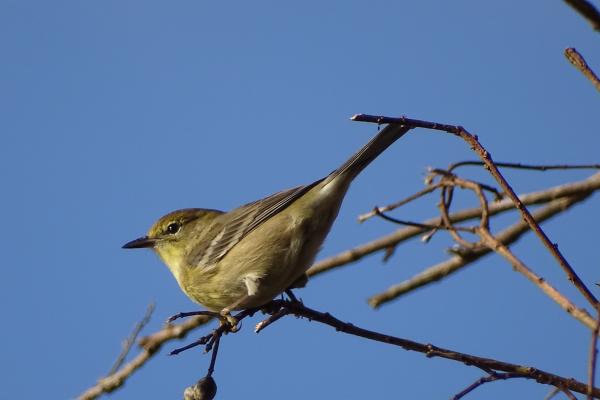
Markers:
(116, 112)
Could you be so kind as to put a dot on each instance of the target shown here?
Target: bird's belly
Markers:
(272, 259)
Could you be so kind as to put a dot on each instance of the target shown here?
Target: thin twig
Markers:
(419, 194)
(449, 174)
(552, 393)
(496, 245)
(533, 167)
(593, 356)
(486, 157)
(444, 205)
(484, 380)
(277, 315)
(128, 344)
(579, 62)
(386, 217)
(586, 10)
(568, 393)
(557, 390)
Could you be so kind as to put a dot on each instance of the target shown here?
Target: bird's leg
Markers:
(252, 283)
(292, 296)
(226, 317)
(300, 282)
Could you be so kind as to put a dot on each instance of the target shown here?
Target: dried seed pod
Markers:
(204, 389)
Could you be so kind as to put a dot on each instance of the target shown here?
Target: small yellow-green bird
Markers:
(245, 257)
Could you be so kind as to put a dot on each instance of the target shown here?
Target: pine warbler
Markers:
(245, 257)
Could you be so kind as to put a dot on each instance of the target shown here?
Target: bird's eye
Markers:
(173, 228)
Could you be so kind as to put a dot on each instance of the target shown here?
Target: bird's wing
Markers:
(233, 226)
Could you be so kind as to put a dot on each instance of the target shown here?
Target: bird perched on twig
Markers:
(245, 257)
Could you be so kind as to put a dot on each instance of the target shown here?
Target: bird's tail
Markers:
(351, 168)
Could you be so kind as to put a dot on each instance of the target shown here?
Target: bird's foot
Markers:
(292, 296)
(227, 319)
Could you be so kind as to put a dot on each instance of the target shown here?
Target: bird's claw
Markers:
(228, 319)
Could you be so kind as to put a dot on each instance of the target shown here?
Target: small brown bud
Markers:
(204, 389)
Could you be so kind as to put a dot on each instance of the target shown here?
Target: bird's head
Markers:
(174, 233)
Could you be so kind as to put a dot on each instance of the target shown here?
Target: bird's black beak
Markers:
(140, 243)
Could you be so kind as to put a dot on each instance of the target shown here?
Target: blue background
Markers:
(116, 112)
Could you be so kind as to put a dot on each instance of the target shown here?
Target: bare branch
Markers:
(506, 237)
(552, 393)
(593, 355)
(568, 393)
(349, 256)
(486, 157)
(419, 194)
(487, 364)
(150, 345)
(587, 11)
(294, 307)
(420, 225)
(531, 167)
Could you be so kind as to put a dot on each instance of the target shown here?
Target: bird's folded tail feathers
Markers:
(351, 168)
